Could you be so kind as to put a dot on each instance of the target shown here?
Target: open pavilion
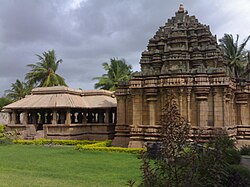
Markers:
(63, 113)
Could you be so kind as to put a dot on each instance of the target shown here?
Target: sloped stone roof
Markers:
(64, 97)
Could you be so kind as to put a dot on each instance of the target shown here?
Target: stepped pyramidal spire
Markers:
(182, 45)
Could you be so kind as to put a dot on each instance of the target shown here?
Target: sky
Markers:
(87, 33)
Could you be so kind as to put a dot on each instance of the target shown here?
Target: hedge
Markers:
(55, 142)
(82, 145)
(104, 146)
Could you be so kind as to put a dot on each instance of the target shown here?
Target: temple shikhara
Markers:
(182, 59)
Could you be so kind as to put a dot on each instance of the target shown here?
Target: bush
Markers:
(238, 176)
(179, 163)
(1, 131)
(105, 146)
(109, 149)
(4, 140)
(54, 142)
(233, 156)
(245, 150)
(100, 144)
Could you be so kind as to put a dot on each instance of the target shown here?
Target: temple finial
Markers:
(181, 8)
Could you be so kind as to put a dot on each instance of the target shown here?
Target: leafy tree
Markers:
(4, 101)
(176, 161)
(43, 73)
(234, 53)
(18, 90)
(117, 71)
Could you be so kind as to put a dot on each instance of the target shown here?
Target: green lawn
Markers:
(31, 165)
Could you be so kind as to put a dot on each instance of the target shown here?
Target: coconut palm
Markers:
(234, 53)
(18, 90)
(117, 71)
(43, 73)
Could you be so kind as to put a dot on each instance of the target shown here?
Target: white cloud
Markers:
(86, 33)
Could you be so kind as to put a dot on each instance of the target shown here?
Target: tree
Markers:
(43, 73)
(178, 161)
(234, 53)
(18, 90)
(117, 71)
(4, 101)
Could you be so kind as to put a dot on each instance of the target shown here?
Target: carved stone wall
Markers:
(4, 118)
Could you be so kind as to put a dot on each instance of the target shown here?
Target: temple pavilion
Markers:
(63, 113)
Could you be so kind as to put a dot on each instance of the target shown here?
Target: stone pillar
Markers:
(62, 117)
(54, 117)
(121, 110)
(188, 104)
(13, 117)
(100, 117)
(18, 120)
(42, 117)
(34, 117)
(68, 118)
(218, 100)
(25, 117)
(152, 110)
(107, 116)
(180, 101)
(84, 118)
(202, 106)
(232, 111)
(226, 104)
(137, 108)
(242, 109)
(9, 118)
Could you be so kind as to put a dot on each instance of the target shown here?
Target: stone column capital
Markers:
(202, 93)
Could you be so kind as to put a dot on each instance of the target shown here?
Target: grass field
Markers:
(31, 165)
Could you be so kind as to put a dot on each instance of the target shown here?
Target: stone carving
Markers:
(182, 39)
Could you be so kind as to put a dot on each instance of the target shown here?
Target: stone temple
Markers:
(182, 58)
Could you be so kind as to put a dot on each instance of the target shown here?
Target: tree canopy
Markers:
(235, 55)
(43, 73)
(18, 90)
(4, 101)
(117, 71)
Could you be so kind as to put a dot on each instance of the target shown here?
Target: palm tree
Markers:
(234, 53)
(18, 90)
(117, 71)
(43, 73)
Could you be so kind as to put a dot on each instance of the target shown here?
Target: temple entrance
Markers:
(39, 127)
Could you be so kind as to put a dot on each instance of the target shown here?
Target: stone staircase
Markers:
(39, 134)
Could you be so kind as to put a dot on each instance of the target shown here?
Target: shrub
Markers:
(105, 146)
(238, 176)
(109, 149)
(4, 140)
(179, 163)
(100, 144)
(233, 156)
(1, 131)
(54, 142)
(245, 150)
